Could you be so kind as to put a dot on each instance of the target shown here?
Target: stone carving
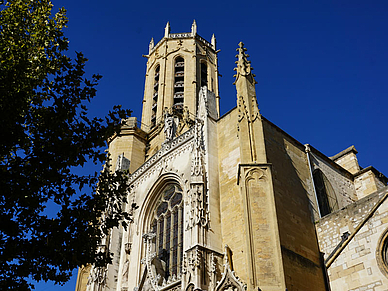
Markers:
(197, 162)
(229, 280)
(212, 272)
(122, 163)
(156, 268)
(180, 35)
(185, 121)
(242, 109)
(96, 279)
(163, 153)
(194, 28)
(255, 109)
(169, 127)
(192, 264)
(198, 213)
(148, 239)
(151, 45)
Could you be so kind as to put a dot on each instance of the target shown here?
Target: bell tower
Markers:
(177, 67)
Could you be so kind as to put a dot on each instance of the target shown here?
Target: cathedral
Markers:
(233, 202)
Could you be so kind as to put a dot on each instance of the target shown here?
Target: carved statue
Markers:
(169, 127)
(158, 268)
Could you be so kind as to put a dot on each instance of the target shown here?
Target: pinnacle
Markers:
(243, 65)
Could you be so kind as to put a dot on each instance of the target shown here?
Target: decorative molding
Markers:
(198, 195)
(181, 35)
(150, 255)
(255, 109)
(97, 279)
(242, 109)
(167, 152)
(197, 160)
(212, 271)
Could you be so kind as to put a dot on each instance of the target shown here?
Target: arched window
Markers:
(155, 96)
(382, 253)
(167, 224)
(179, 85)
(327, 200)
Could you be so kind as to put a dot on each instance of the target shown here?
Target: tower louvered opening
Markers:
(155, 96)
(179, 84)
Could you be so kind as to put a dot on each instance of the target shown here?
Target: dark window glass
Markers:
(327, 200)
(168, 226)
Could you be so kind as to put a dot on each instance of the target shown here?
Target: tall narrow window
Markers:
(327, 200)
(179, 84)
(168, 226)
(155, 97)
(203, 74)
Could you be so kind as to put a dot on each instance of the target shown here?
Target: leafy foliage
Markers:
(46, 136)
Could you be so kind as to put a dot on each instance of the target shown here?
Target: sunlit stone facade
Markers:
(233, 202)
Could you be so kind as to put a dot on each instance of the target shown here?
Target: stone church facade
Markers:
(233, 202)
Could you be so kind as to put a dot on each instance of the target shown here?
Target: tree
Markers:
(46, 135)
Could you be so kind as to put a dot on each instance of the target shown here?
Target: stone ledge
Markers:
(378, 174)
(344, 152)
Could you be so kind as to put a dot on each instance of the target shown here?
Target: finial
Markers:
(243, 65)
(213, 41)
(194, 28)
(151, 45)
(167, 30)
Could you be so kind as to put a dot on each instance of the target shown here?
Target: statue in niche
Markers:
(169, 127)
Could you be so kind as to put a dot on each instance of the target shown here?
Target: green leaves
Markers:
(47, 135)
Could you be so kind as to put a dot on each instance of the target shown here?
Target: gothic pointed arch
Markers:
(327, 199)
(162, 227)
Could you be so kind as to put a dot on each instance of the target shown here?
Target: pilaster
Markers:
(264, 259)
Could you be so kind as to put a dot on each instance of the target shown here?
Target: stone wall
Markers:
(356, 268)
(292, 182)
(366, 182)
(231, 204)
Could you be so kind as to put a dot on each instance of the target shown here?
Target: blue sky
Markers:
(321, 66)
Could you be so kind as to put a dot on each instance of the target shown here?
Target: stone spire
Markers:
(194, 28)
(243, 65)
(249, 120)
(167, 30)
